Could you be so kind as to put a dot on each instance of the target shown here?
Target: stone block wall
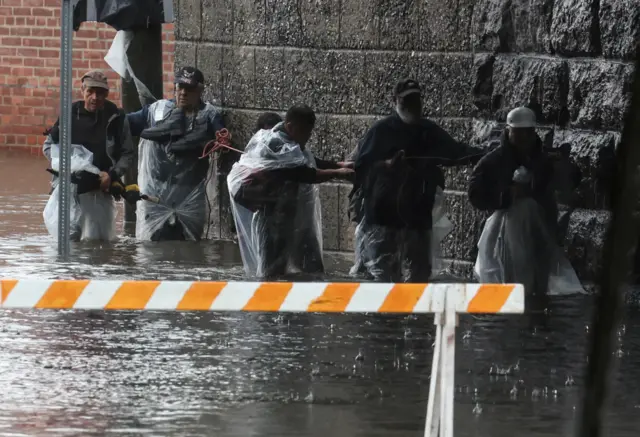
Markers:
(569, 60)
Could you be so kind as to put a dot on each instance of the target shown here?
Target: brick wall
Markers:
(30, 67)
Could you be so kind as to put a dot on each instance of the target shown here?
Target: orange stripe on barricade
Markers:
(335, 298)
(402, 298)
(490, 298)
(62, 294)
(6, 285)
(268, 297)
(200, 296)
(132, 295)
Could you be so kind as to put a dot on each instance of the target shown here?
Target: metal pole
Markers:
(618, 251)
(64, 180)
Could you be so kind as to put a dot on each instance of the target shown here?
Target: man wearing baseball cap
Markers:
(398, 171)
(173, 134)
(102, 128)
(516, 178)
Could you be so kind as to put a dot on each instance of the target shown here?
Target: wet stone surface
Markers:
(574, 29)
(331, 81)
(217, 21)
(188, 19)
(538, 83)
(512, 25)
(619, 28)
(209, 61)
(400, 23)
(599, 94)
(249, 22)
(446, 26)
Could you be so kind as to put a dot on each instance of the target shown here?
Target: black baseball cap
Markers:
(406, 87)
(189, 76)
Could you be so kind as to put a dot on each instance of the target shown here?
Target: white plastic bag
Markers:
(93, 214)
(516, 247)
(442, 227)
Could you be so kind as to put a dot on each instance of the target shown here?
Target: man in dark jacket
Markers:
(102, 128)
(520, 169)
(398, 167)
(492, 186)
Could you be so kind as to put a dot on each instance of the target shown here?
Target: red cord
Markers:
(222, 141)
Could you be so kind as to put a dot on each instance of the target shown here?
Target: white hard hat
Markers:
(521, 117)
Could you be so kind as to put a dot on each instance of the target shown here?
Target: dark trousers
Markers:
(397, 255)
(282, 244)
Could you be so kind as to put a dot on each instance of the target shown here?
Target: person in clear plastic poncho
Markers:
(398, 164)
(519, 241)
(173, 134)
(275, 202)
(101, 153)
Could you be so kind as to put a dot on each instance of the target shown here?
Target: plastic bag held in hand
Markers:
(522, 176)
(93, 213)
(516, 246)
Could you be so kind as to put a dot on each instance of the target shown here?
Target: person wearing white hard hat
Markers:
(492, 186)
(513, 181)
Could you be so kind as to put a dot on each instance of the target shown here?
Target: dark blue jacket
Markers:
(492, 178)
(403, 196)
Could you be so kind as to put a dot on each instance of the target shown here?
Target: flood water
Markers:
(77, 373)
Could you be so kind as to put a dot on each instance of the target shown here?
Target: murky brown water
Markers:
(194, 374)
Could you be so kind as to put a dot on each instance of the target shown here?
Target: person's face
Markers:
(188, 96)
(411, 104)
(299, 133)
(523, 139)
(94, 98)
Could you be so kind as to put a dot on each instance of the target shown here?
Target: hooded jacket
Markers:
(109, 134)
(492, 179)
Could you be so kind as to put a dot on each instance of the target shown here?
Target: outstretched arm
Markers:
(138, 121)
(450, 152)
(309, 175)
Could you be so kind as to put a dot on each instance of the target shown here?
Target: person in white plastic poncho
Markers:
(171, 166)
(518, 243)
(102, 151)
(275, 202)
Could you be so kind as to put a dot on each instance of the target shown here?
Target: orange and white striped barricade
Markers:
(445, 301)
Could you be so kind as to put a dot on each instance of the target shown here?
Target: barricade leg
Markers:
(448, 370)
(433, 406)
(439, 422)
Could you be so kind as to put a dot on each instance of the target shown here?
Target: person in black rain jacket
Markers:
(398, 166)
(491, 186)
(507, 179)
